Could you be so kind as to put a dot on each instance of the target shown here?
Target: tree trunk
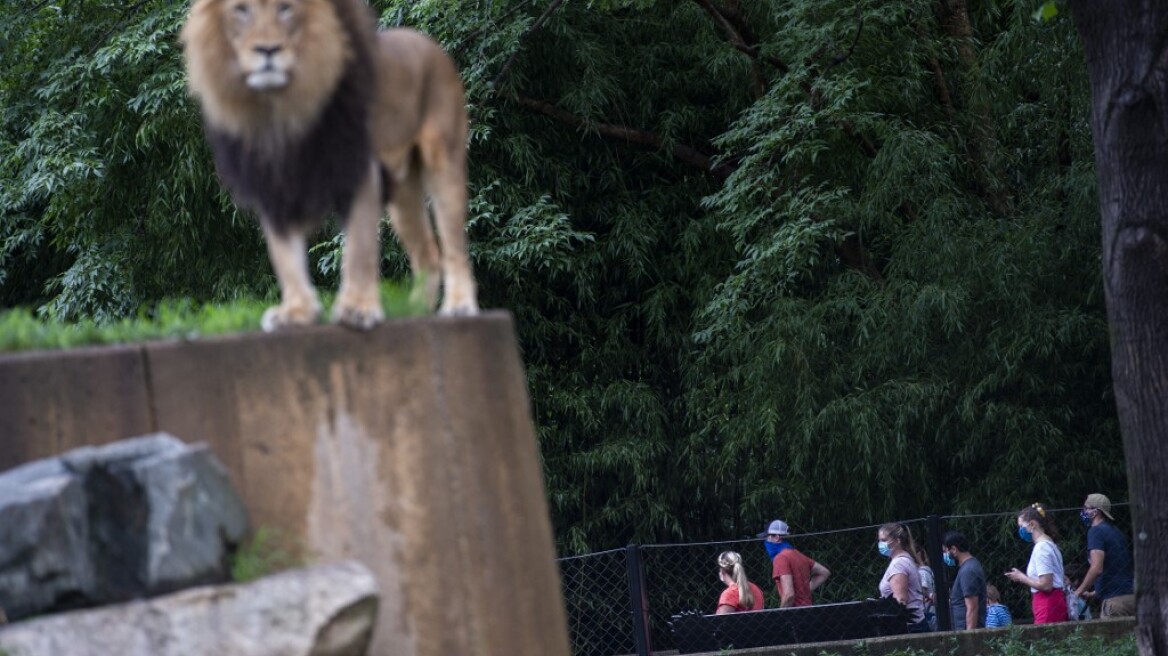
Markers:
(1126, 43)
(983, 135)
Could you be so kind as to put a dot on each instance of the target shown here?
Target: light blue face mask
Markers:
(949, 559)
(1025, 534)
(884, 548)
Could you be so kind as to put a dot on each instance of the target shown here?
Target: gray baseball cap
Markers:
(777, 527)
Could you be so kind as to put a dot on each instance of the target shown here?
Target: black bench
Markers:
(694, 632)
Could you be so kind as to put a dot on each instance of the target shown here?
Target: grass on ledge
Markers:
(21, 330)
(262, 555)
(1015, 644)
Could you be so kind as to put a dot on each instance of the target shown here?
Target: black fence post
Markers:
(638, 596)
(933, 536)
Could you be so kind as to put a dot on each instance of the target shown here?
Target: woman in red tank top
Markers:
(740, 594)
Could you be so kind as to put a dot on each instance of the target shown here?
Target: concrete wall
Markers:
(410, 448)
(953, 643)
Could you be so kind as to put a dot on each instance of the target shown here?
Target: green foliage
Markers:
(106, 189)
(1047, 11)
(823, 259)
(1015, 643)
(175, 319)
(260, 556)
(1075, 645)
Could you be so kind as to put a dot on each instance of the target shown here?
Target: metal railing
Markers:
(621, 601)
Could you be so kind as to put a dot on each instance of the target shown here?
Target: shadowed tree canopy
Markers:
(829, 260)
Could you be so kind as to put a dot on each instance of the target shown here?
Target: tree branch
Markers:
(983, 144)
(648, 140)
(31, 9)
(734, 35)
(842, 57)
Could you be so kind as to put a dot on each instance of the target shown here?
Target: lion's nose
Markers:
(267, 51)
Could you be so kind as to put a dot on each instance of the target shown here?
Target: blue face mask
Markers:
(775, 548)
(884, 549)
(948, 559)
(1025, 534)
(1085, 517)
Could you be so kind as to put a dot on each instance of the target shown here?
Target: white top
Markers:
(1046, 559)
(904, 564)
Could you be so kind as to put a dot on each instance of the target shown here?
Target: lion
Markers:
(309, 109)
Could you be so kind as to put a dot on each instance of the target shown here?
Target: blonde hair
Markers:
(992, 593)
(731, 564)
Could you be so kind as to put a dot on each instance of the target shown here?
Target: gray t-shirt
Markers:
(970, 581)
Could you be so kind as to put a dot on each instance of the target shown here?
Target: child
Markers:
(928, 587)
(1077, 608)
(997, 615)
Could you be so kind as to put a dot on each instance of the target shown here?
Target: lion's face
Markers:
(252, 61)
(263, 34)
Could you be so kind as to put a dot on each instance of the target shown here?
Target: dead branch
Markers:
(648, 140)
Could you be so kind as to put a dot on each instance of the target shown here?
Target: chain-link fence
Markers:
(621, 602)
(600, 611)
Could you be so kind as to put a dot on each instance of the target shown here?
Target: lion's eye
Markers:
(284, 11)
(241, 11)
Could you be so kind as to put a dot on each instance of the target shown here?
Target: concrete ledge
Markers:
(953, 643)
(53, 401)
(409, 448)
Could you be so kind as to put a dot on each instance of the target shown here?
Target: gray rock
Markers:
(327, 610)
(44, 545)
(192, 512)
(139, 517)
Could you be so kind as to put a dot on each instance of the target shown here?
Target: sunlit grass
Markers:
(21, 330)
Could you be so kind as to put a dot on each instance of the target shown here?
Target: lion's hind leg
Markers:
(358, 302)
(444, 172)
(299, 304)
(407, 215)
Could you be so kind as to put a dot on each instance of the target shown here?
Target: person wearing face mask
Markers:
(967, 596)
(1044, 573)
(1111, 562)
(795, 575)
(740, 594)
(928, 586)
(901, 579)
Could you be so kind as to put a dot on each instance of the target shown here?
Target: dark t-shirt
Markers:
(970, 581)
(1116, 578)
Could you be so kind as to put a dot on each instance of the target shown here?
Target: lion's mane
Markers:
(303, 152)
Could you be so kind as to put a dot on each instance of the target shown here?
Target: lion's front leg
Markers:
(359, 298)
(299, 304)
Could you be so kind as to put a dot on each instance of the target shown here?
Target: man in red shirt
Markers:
(795, 575)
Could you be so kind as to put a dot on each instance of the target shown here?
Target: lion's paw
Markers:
(460, 310)
(282, 316)
(460, 300)
(358, 316)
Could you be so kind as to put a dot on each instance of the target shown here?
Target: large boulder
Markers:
(327, 610)
(96, 525)
(45, 542)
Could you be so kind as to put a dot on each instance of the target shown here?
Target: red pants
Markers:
(1049, 607)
